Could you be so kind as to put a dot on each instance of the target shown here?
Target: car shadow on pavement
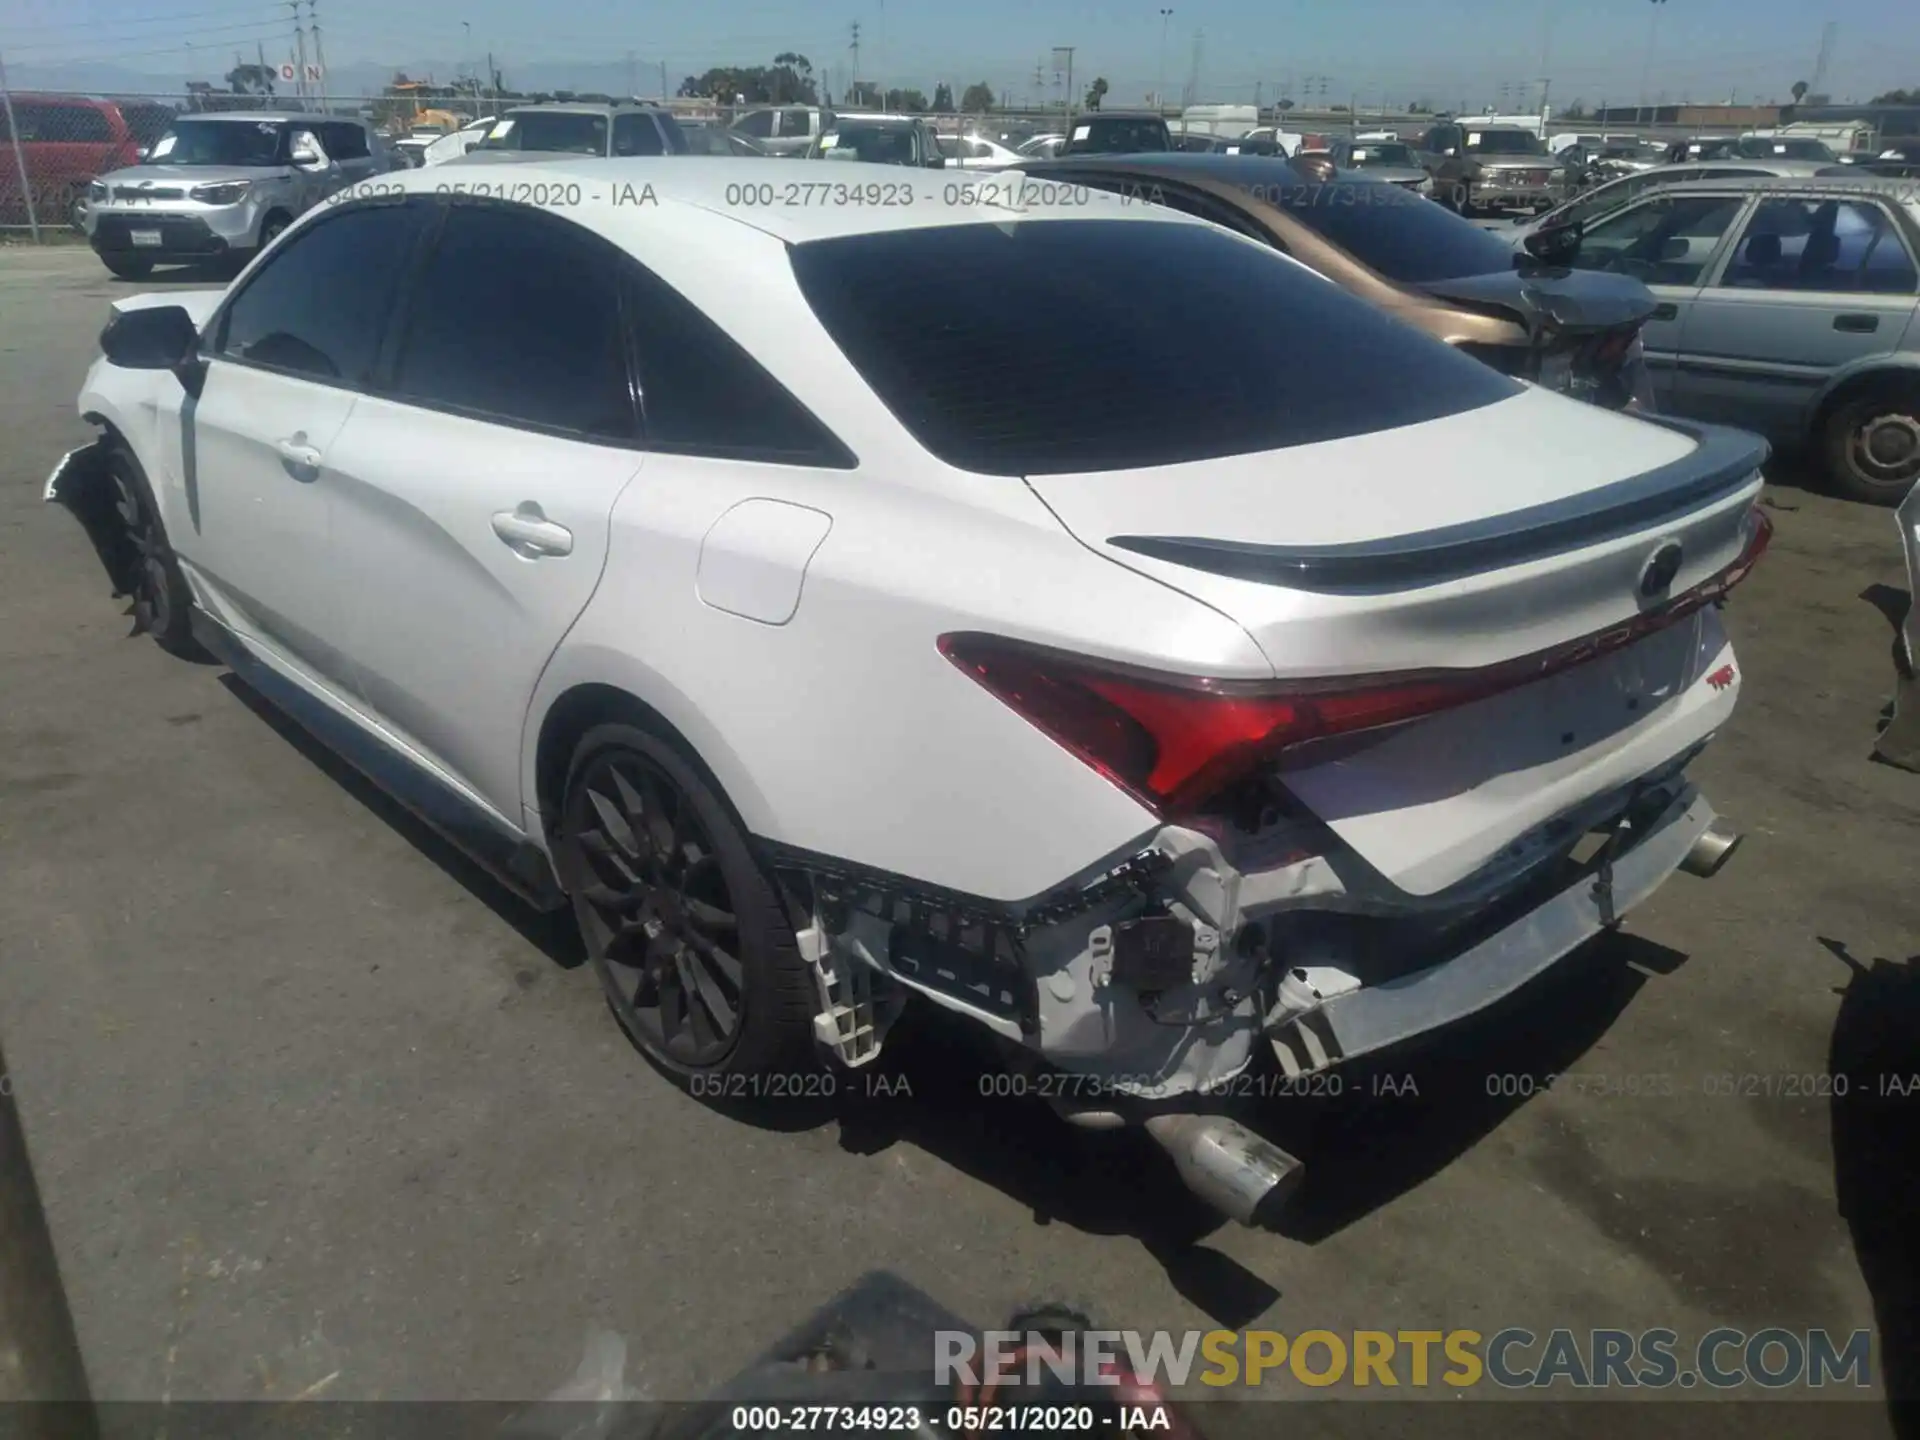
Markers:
(212, 272)
(1401, 1117)
(1875, 1122)
(553, 934)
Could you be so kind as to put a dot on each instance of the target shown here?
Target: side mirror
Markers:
(162, 337)
(936, 162)
(306, 151)
(1676, 247)
(142, 152)
(1556, 244)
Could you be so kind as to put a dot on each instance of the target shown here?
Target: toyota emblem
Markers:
(1657, 576)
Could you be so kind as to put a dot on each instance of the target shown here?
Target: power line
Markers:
(89, 27)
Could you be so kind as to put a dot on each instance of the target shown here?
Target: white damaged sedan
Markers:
(1053, 607)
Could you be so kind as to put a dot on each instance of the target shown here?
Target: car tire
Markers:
(684, 927)
(126, 268)
(146, 567)
(270, 229)
(1871, 445)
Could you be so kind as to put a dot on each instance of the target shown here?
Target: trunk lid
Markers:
(1569, 302)
(1458, 544)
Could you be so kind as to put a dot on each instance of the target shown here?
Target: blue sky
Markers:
(1441, 51)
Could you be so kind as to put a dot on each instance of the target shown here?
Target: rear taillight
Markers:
(1177, 741)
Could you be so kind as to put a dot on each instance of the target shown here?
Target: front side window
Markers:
(222, 142)
(758, 125)
(1836, 245)
(1046, 347)
(317, 308)
(1667, 240)
(636, 135)
(513, 319)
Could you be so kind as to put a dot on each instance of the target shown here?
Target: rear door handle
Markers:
(1666, 310)
(529, 533)
(1857, 324)
(296, 451)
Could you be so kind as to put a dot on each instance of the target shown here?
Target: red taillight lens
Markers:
(1175, 741)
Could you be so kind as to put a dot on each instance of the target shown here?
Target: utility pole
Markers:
(665, 94)
(854, 84)
(1160, 83)
(299, 54)
(633, 83)
(319, 56)
(1646, 65)
(1067, 105)
(1545, 86)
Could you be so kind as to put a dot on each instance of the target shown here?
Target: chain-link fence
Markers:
(53, 144)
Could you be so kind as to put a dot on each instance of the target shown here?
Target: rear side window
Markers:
(513, 319)
(636, 135)
(1049, 347)
(701, 394)
(346, 142)
(1395, 231)
(57, 124)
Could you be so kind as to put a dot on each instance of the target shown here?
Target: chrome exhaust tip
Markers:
(1241, 1175)
(1711, 851)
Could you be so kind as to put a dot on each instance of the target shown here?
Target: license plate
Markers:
(144, 237)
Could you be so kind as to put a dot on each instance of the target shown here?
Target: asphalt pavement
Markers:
(318, 1112)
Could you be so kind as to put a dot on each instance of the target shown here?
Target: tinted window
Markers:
(1393, 230)
(636, 135)
(876, 144)
(1118, 136)
(559, 131)
(57, 124)
(1056, 346)
(759, 124)
(318, 306)
(514, 318)
(701, 394)
(346, 142)
(1504, 142)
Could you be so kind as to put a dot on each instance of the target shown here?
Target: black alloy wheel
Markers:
(656, 909)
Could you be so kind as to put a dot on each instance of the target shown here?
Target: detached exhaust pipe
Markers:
(1711, 851)
(1228, 1166)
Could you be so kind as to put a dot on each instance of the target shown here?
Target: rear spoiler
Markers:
(1725, 462)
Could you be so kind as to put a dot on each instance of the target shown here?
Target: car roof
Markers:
(1086, 116)
(702, 183)
(862, 117)
(1880, 186)
(269, 117)
(1240, 169)
(584, 107)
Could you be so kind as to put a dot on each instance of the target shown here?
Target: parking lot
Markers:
(318, 1111)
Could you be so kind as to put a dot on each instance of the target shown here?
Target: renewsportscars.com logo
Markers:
(1512, 1359)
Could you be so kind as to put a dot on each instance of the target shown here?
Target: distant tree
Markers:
(943, 99)
(691, 89)
(1420, 107)
(1337, 109)
(906, 102)
(864, 95)
(1896, 97)
(790, 82)
(977, 99)
(1576, 111)
(1283, 106)
(251, 79)
(1096, 92)
(1799, 91)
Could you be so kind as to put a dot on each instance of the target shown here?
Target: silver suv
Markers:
(220, 187)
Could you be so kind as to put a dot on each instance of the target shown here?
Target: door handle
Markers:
(1857, 324)
(1666, 310)
(529, 533)
(296, 451)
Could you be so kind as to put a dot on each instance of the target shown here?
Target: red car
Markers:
(67, 140)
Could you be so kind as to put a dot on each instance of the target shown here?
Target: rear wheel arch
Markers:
(1862, 382)
(575, 712)
(1886, 397)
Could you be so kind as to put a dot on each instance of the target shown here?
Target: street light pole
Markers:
(1160, 67)
(1646, 66)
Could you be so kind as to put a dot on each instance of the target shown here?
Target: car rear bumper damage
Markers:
(1144, 995)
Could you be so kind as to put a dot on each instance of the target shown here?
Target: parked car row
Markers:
(1205, 673)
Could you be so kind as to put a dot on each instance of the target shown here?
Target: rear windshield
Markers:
(1395, 231)
(1056, 346)
(1119, 136)
(562, 131)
